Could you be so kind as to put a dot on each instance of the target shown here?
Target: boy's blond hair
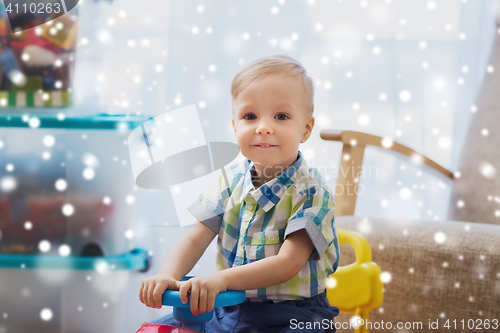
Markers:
(274, 65)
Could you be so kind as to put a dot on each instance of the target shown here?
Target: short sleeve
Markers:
(314, 211)
(210, 206)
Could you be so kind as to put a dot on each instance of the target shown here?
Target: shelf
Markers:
(135, 260)
(46, 121)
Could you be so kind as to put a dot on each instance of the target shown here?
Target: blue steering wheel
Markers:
(183, 314)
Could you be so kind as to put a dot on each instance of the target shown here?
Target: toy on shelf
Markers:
(36, 60)
(53, 216)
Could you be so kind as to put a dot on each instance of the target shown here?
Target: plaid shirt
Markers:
(252, 224)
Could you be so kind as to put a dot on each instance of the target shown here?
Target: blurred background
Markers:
(408, 70)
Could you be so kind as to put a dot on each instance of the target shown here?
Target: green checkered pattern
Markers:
(35, 99)
(252, 224)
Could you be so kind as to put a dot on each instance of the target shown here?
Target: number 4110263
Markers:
(34, 8)
(477, 324)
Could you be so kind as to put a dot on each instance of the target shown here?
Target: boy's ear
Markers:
(308, 130)
(232, 120)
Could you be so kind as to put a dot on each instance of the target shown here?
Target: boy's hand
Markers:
(153, 287)
(203, 290)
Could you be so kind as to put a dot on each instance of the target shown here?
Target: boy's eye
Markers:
(249, 116)
(282, 116)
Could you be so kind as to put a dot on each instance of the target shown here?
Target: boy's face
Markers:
(272, 111)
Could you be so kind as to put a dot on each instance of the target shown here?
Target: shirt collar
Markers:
(270, 193)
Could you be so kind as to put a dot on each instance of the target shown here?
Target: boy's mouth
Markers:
(265, 145)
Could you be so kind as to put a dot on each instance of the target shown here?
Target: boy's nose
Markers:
(264, 128)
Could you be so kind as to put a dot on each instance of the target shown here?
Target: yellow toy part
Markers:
(356, 288)
(61, 32)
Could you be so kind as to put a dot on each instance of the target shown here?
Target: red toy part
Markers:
(157, 328)
(31, 38)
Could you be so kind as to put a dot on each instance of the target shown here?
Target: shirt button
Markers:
(270, 237)
(250, 206)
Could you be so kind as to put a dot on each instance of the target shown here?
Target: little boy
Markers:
(273, 215)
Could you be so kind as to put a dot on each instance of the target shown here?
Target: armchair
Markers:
(444, 276)
(440, 272)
